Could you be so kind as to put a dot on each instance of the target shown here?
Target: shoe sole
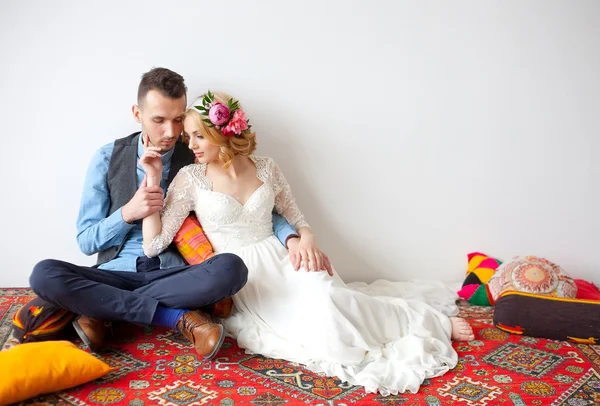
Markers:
(82, 335)
(218, 346)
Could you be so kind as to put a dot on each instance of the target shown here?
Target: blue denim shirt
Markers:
(97, 231)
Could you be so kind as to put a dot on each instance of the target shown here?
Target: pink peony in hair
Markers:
(218, 114)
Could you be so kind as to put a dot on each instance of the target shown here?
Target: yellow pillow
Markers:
(32, 369)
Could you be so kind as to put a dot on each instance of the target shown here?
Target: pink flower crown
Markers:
(230, 119)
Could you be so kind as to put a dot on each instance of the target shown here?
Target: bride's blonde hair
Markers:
(242, 144)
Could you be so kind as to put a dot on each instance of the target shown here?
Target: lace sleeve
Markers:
(285, 204)
(179, 202)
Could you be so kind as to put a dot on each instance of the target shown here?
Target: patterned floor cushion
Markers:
(531, 274)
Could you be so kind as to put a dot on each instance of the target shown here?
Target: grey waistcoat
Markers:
(122, 179)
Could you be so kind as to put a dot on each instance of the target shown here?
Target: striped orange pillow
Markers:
(195, 248)
(192, 243)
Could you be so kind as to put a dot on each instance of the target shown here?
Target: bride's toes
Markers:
(461, 330)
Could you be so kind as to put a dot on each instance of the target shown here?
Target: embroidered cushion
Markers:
(534, 275)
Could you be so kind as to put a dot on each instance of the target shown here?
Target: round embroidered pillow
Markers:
(531, 274)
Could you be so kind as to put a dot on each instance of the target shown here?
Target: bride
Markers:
(383, 343)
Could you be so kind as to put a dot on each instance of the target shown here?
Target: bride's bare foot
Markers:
(461, 329)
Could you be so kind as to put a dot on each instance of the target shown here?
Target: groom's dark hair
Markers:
(167, 82)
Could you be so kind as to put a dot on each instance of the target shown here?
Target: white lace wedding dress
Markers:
(384, 343)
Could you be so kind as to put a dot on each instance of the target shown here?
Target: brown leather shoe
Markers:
(206, 336)
(223, 308)
(91, 331)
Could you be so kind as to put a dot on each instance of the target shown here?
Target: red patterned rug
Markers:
(157, 367)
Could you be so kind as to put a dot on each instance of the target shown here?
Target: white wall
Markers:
(412, 132)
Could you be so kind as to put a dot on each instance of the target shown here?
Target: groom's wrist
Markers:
(288, 238)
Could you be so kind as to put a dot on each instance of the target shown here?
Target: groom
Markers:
(126, 285)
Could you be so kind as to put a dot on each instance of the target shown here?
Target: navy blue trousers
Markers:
(133, 296)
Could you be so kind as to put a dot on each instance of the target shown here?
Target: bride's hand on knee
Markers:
(305, 251)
